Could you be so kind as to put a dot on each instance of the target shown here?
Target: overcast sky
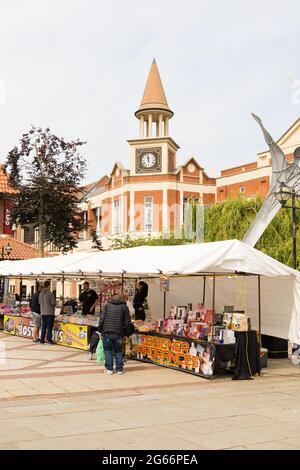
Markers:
(80, 67)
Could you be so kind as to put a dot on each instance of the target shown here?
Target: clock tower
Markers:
(154, 152)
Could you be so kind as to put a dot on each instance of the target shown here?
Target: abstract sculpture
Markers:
(283, 173)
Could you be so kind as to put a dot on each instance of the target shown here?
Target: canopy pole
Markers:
(2, 282)
(259, 310)
(122, 282)
(165, 303)
(63, 291)
(21, 293)
(213, 308)
(204, 290)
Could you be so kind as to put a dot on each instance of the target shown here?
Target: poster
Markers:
(18, 326)
(188, 355)
(74, 336)
(164, 282)
(7, 217)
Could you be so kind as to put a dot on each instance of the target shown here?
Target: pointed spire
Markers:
(154, 96)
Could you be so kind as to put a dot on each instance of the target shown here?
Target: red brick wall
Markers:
(258, 186)
(173, 198)
(188, 194)
(207, 180)
(239, 169)
(107, 216)
(208, 199)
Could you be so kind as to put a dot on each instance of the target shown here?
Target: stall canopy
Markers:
(231, 256)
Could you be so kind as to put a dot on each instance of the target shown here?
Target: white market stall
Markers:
(218, 263)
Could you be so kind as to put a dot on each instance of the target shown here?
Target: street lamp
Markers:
(283, 194)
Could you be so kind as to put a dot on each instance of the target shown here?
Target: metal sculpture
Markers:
(283, 174)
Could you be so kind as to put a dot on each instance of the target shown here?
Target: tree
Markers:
(46, 172)
(230, 220)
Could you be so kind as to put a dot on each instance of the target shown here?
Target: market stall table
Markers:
(73, 331)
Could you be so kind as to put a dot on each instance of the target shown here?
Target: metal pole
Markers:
(21, 293)
(214, 303)
(259, 310)
(63, 292)
(204, 290)
(122, 282)
(165, 301)
(294, 229)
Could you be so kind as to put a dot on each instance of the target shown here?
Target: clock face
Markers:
(148, 160)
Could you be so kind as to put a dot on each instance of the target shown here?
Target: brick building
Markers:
(254, 178)
(149, 197)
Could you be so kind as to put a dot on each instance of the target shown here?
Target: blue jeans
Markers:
(47, 326)
(113, 343)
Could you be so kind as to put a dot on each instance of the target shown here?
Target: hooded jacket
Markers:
(115, 316)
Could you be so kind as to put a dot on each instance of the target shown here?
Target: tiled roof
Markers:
(4, 184)
(19, 250)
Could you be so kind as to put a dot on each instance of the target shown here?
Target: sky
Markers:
(80, 67)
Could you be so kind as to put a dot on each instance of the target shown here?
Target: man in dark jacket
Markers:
(114, 319)
(36, 313)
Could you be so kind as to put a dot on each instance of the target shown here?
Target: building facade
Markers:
(148, 198)
(254, 178)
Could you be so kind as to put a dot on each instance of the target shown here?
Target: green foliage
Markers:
(231, 219)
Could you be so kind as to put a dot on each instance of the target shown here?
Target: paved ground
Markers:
(52, 397)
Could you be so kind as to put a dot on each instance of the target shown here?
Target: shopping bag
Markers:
(100, 352)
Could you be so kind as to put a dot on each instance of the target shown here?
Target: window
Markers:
(117, 217)
(148, 213)
(242, 189)
(29, 234)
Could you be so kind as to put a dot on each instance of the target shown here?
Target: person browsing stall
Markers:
(88, 299)
(36, 313)
(47, 303)
(114, 322)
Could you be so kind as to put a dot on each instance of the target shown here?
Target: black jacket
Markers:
(115, 317)
(140, 295)
(34, 303)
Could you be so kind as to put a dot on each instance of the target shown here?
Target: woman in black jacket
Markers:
(139, 299)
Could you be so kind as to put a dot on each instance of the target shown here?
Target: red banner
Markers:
(7, 217)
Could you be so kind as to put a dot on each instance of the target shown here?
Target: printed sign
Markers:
(74, 336)
(185, 354)
(7, 217)
(164, 283)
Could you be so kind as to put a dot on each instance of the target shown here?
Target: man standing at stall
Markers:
(36, 313)
(114, 324)
(47, 303)
(88, 299)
